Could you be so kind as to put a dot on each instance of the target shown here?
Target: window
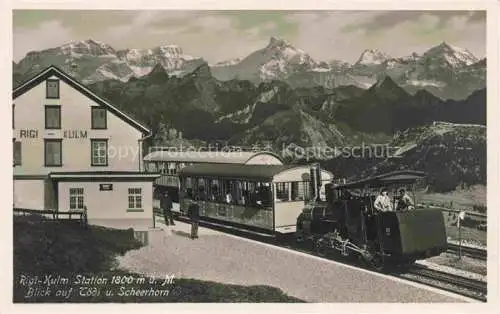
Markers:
(52, 117)
(171, 169)
(135, 199)
(99, 118)
(53, 153)
(161, 168)
(297, 191)
(52, 89)
(151, 166)
(76, 198)
(282, 191)
(99, 152)
(17, 152)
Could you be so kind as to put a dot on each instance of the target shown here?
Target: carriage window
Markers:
(264, 194)
(250, 193)
(161, 167)
(152, 167)
(306, 189)
(214, 190)
(300, 190)
(170, 169)
(245, 195)
(188, 187)
(282, 191)
(202, 195)
(227, 192)
(295, 192)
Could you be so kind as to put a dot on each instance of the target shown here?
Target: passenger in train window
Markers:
(383, 201)
(265, 196)
(404, 201)
(213, 192)
(229, 197)
(201, 194)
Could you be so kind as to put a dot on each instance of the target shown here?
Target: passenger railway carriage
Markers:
(169, 163)
(265, 199)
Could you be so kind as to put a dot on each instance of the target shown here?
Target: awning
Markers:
(234, 171)
(104, 176)
(390, 178)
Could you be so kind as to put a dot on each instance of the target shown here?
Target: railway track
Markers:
(473, 252)
(454, 283)
(468, 287)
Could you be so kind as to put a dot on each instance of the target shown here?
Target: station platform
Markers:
(225, 258)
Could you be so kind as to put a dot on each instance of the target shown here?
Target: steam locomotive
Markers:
(348, 223)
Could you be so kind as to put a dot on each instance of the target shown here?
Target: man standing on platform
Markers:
(166, 206)
(194, 215)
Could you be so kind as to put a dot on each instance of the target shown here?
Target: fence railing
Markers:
(79, 215)
(453, 210)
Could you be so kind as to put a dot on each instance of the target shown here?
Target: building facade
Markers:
(74, 149)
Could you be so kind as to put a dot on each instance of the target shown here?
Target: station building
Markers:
(72, 149)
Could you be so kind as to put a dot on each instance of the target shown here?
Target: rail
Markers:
(473, 252)
(469, 287)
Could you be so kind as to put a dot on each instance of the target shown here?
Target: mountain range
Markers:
(450, 154)
(271, 99)
(446, 71)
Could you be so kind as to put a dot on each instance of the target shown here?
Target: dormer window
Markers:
(52, 89)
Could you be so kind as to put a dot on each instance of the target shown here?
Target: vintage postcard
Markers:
(251, 156)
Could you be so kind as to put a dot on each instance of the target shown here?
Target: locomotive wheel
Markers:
(408, 263)
(319, 248)
(377, 263)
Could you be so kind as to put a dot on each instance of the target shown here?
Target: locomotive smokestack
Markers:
(315, 183)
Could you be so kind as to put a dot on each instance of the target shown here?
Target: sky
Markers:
(222, 35)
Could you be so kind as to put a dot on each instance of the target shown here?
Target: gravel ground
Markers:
(467, 267)
(223, 258)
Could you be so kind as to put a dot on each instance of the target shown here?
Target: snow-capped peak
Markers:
(284, 59)
(372, 56)
(87, 47)
(454, 56)
(275, 42)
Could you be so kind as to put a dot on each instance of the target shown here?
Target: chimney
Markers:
(315, 181)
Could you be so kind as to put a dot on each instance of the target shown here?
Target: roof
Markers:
(206, 157)
(395, 177)
(104, 175)
(55, 71)
(235, 171)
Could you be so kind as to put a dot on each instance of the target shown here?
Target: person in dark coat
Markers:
(166, 206)
(194, 215)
